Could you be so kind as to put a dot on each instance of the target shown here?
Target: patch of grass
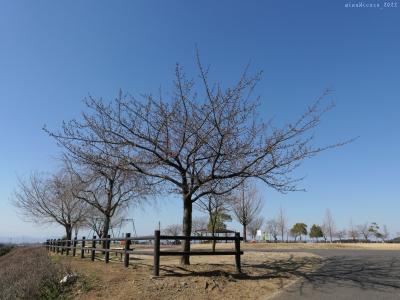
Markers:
(84, 283)
(28, 273)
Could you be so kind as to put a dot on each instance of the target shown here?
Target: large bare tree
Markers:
(109, 187)
(246, 206)
(205, 139)
(50, 199)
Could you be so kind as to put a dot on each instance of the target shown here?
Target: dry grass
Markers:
(211, 277)
(28, 273)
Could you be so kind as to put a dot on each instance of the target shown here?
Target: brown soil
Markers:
(208, 277)
(304, 246)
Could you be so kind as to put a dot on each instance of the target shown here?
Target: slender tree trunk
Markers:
(214, 241)
(245, 232)
(212, 223)
(186, 228)
(76, 231)
(106, 228)
(213, 220)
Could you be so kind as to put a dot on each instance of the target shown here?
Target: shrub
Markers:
(28, 273)
(4, 249)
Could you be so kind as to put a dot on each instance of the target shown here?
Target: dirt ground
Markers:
(208, 277)
(305, 246)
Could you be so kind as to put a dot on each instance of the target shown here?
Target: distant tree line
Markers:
(326, 232)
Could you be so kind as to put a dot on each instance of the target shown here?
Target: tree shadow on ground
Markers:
(366, 272)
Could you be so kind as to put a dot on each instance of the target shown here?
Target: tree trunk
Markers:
(213, 220)
(214, 241)
(186, 228)
(245, 233)
(213, 223)
(68, 231)
(106, 227)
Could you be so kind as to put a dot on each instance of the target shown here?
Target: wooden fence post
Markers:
(93, 248)
(127, 244)
(68, 242)
(62, 247)
(74, 247)
(107, 253)
(83, 247)
(156, 254)
(237, 250)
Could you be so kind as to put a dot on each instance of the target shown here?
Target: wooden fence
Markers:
(90, 246)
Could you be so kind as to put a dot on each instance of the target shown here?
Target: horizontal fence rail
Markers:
(89, 246)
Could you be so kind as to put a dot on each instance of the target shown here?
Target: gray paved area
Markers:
(347, 274)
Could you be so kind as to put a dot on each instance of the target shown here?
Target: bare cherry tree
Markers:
(341, 234)
(385, 233)
(109, 186)
(282, 223)
(204, 140)
(255, 225)
(217, 208)
(174, 230)
(272, 228)
(199, 223)
(363, 229)
(353, 232)
(246, 206)
(50, 199)
(111, 189)
(329, 225)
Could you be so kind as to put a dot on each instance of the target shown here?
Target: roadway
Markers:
(347, 275)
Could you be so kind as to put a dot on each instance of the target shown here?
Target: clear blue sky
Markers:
(54, 53)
